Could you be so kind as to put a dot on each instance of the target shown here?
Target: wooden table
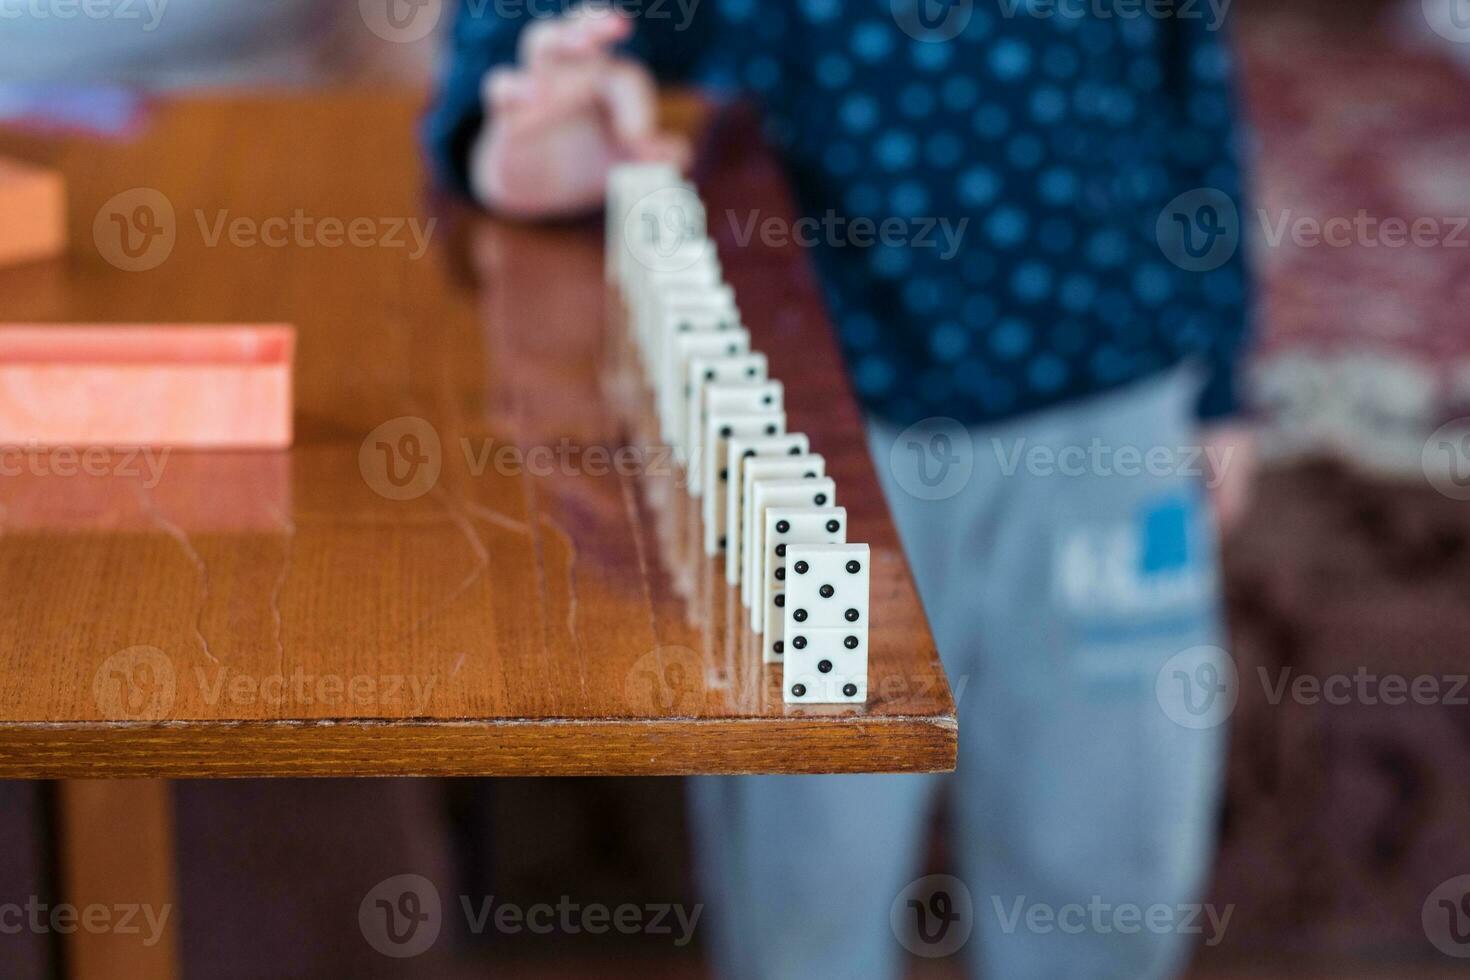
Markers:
(476, 560)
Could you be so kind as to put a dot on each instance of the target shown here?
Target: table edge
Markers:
(492, 747)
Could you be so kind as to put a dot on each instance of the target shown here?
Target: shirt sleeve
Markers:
(1207, 152)
(671, 37)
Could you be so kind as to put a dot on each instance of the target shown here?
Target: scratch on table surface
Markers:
(635, 521)
(496, 517)
(279, 586)
(454, 508)
(190, 552)
(571, 548)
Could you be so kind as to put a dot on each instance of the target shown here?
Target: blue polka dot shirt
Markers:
(1063, 175)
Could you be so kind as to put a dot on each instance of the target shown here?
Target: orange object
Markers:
(188, 387)
(32, 212)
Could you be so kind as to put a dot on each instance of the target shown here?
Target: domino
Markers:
(626, 183)
(32, 213)
(785, 444)
(744, 471)
(719, 428)
(641, 289)
(702, 370)
(685, 310)
(786, 526)
(733, 398)
(827, 586)
(826, 624)
(664, 229)
(670, 370)
(821, 492)
(826, 666)
(719, 343)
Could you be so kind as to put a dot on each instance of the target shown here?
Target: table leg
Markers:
(116, 846)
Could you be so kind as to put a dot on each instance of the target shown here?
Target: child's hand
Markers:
(563, 115)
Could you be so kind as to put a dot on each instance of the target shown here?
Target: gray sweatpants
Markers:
(1067, 563)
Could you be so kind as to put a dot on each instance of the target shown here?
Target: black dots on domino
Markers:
(778, 647)
(825, 666)
(802, 568)
(770, 429)
(725, 432)
(851, 643)
(798, 642)
(849, 690)
(854, 566)
(800, 616)
(780, 551)
(834, 525)
(709, 375)
(820, 499)
(783, 526)
(780, 575)
(826, 592)
(851, 615)
(798, 690)
(781, 601)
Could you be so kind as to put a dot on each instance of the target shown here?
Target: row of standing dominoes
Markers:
(768, 506)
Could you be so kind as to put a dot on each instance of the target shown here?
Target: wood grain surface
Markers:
(476, 559)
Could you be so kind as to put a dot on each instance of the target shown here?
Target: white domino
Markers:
(826, 623)
(704, 370)
(719, 429)
(720, 343)
(741, 449)
(786, 527)
(826, 666)
(744, 472)
(684, 310)
(821, 492)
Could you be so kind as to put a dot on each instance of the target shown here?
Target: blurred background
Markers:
(1340, 818)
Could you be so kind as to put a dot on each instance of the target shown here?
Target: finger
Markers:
(506, 88)
(631, 98)
(581, 34)
(669, 148)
